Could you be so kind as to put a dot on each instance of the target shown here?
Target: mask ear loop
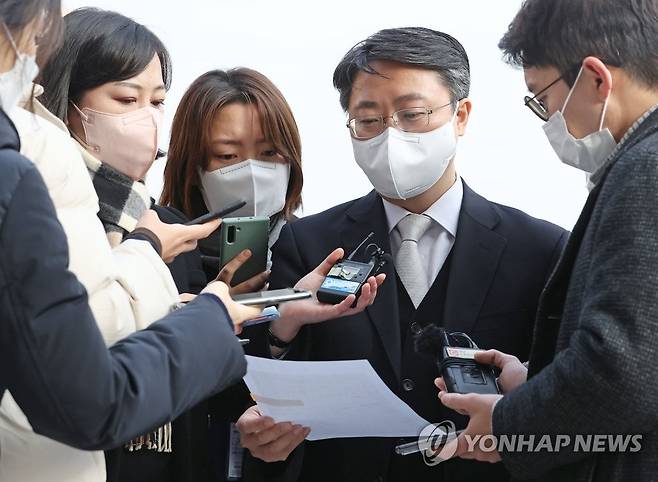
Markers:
(82, 114)
(11, 39)
(566, 101)
(603, 113)
(84, 117)
(454, 114)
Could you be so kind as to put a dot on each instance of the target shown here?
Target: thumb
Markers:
(324, 267)
(202, 231)
(486, 357)
(492, 357)
(457, 402)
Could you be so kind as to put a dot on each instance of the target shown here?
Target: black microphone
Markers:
(430, 342)
(388, 258)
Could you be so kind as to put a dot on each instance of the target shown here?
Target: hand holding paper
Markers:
(312, 394)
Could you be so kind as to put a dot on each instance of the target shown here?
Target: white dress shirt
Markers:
(435, 245)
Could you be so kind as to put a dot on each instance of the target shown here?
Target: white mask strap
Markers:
(454, 114)
(11, 38)
(573, 87)
(605, 104)
(605, 109)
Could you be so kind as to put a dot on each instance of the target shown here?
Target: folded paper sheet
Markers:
(335, 399)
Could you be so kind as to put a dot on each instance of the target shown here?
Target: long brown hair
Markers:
(189, 147)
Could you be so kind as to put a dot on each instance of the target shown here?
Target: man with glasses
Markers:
(461, 262)
(592, 369)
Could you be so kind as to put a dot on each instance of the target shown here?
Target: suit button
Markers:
(416, 329)
(407, 385)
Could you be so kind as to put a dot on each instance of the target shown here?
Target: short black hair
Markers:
(99, 47)
(562, 33)
(417, 46)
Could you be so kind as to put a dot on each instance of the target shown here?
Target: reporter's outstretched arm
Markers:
(52, 356)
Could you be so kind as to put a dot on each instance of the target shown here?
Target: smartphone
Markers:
(271, 298)
(217, 214)
(238, 234)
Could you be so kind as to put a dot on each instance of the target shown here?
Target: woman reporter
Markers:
(129, 286)
(54, 360)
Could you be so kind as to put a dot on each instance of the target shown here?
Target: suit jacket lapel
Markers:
(367, 215)
(475, 257)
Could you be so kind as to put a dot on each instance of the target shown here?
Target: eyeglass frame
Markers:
(428, 110)
(534, 106)
(532, 101)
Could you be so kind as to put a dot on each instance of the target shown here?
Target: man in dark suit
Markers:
(593, 69)
(460, 261)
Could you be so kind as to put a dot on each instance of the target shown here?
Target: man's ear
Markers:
(463, 113)
(602, 75)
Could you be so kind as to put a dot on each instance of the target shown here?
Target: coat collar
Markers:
(643, 128)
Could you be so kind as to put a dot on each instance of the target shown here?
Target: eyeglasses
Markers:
(536, 106)
(415, 119)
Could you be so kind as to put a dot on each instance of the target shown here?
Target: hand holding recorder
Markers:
(296, 314)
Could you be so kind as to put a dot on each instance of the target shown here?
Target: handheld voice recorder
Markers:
(456, 363)
(347, 276)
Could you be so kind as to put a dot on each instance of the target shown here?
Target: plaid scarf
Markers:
(122, 202)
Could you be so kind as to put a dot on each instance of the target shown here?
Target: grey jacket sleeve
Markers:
(603, 382)
(53, 358)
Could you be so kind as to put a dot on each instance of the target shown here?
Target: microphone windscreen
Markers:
(429, 341)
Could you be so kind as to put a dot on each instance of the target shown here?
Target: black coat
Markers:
(53, 357)
(500, 262)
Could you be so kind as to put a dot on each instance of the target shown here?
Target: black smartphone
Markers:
(217, 214)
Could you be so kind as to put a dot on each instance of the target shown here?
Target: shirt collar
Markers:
(444, 211)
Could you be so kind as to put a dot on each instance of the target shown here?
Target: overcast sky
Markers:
(504, 155)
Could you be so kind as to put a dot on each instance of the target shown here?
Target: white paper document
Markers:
(334, 399)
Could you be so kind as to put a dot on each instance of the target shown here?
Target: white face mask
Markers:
(17, 81)
(588, 154)
(262, 184)
(402, 165)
